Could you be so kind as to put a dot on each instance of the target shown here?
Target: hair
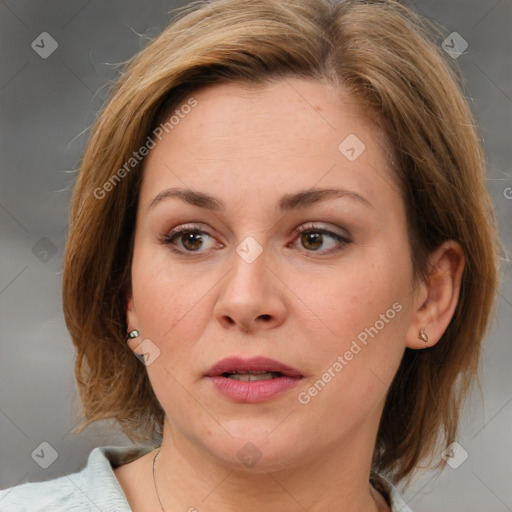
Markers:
(386, 57)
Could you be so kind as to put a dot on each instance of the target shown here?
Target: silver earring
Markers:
(422, 335)
(133, 334)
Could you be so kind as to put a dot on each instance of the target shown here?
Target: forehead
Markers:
(290, 134)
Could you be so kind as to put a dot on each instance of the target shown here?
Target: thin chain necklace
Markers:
(154, 481)
(160, 501)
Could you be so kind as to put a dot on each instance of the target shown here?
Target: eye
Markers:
(192, 239)
(188, 238)
(316, 239)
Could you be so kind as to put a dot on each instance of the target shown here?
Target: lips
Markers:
(252, 380)
(233, 365)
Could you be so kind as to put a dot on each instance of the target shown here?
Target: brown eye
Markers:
(312, 241)
(191, 241)
(321, 240)
(188, 239)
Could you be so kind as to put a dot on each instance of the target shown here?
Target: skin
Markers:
(248, 147)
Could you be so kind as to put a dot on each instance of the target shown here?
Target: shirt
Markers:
(96, 488)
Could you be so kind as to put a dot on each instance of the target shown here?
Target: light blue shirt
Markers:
(96, 488)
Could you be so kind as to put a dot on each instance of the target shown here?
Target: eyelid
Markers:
(190, 226)
(322, 229)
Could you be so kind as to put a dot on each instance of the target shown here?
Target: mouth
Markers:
(256, 368)
(252, 380)
(251, 376)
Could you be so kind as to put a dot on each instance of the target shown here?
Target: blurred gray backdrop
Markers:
(50, 93)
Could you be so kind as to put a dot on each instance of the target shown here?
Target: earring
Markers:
(133, 334)
(422, 335)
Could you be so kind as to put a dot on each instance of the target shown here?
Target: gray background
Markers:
(47, 107)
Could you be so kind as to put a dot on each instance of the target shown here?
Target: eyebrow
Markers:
(288, 202)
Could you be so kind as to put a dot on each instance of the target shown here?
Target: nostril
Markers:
(264, 317)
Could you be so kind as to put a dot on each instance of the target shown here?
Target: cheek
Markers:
(353, 298)
(357, 354)
(171, 312)
(169, 304)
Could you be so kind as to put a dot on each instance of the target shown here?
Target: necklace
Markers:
(160, 501)
(154, 481)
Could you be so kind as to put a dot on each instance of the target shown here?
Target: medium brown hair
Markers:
(382, 54)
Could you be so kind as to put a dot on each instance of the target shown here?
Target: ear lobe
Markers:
(131, 321)
(437, 298)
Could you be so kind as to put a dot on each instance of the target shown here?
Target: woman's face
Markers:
(294, 248)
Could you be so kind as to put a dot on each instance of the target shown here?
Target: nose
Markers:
(251, 297)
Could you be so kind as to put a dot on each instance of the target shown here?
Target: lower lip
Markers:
(253, 391)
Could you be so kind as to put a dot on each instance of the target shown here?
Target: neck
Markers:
(189, 478)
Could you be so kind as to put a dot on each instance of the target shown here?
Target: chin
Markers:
(253, 449)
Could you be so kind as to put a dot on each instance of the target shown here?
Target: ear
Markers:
(131, 321)
(437, 297)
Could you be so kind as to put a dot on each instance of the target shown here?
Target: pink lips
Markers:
(252, 391)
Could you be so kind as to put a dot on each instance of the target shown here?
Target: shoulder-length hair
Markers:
(385, 56)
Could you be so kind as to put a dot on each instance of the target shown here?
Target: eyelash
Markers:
(342, 240)
(168, 238)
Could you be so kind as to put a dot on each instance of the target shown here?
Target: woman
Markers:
(282, 213)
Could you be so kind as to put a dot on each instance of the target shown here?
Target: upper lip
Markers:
(255, 364)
